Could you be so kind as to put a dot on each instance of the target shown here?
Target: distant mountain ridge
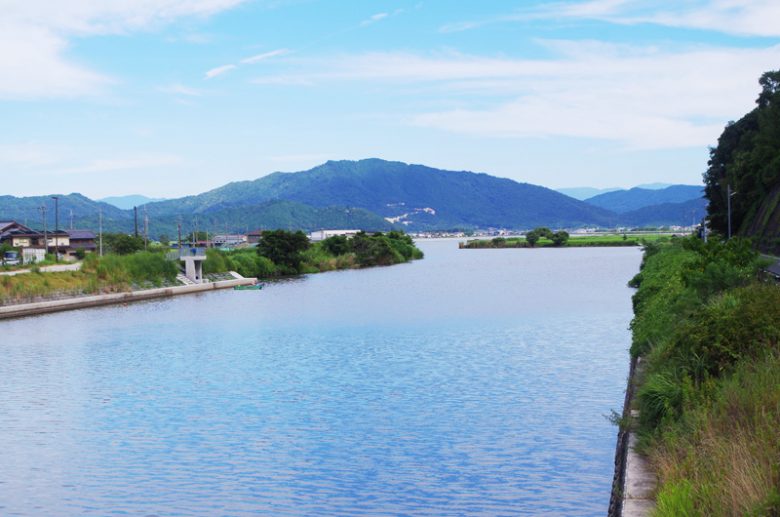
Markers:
(369, 194)
(418, 197)
(622, 201)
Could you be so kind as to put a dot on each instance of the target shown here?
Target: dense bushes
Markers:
(287, 253)
(709, 402)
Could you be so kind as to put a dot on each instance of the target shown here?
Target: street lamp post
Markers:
(729, 193)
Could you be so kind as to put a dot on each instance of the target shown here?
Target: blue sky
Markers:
(174, 97)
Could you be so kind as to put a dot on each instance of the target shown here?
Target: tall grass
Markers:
(111, 273)
(710, 399)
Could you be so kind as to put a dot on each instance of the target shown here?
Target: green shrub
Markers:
(336, 245)
(216, 262)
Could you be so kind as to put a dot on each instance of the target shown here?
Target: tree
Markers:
(532, 238)
(560, 238)
(376, 250)
(123, 244)
(336, 245)
(284, 249)
(545, 232)
(165, 241)
(747, 159)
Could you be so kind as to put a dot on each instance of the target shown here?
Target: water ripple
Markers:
(471, 383)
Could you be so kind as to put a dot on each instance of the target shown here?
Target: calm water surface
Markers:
(474, 382)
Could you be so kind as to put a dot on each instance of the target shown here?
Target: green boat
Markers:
(252, 287)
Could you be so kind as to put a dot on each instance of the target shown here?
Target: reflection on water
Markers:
(472, 382)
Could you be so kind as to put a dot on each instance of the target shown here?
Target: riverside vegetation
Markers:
(544, 237)
(128, 266)
(708, 331)
(282, 253)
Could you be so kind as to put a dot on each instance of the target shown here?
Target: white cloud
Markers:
(640, 97)
(214, 72)
(265, 55)
(739, 17)
(373, 19)
(34, 36)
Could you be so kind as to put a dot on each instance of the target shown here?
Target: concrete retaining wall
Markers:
(634, 482)
(34, 309)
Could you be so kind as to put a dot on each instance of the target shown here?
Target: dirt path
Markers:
(46, 269)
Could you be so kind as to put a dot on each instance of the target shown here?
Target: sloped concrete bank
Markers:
(34, 309)
(633, 485)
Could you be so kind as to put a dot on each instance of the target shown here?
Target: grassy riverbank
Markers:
(280, 254)
(601, 240)
(286, 253)
(108, 274)
(709, 332)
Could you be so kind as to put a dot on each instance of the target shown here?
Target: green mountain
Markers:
(86, 212)
(687, 213)
(622, 201)
(413, 196)
(746, 162)
(368, 194)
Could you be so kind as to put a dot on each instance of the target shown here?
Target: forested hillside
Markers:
(747, 159)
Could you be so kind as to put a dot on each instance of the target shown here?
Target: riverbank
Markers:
(83, 302)
(706, 406)
(576, 241)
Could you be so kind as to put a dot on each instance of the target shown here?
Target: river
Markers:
(473, 382)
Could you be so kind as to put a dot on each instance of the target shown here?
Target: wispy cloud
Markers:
(35, 34)
(381, 16)
(744, 18)
(266, 55)
(640, 97)
(220, 70)
(373, 19)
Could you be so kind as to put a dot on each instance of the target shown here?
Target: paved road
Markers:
(47, 269)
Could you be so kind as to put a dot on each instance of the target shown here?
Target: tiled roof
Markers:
(81, 234)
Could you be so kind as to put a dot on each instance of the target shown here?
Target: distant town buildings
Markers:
(34, 244)
(321, 235)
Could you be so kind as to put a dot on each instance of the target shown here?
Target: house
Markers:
(12, 233)
(83, 240)
(66, 242)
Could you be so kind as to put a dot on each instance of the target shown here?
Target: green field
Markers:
(575, 241)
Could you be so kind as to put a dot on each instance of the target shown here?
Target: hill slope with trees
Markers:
(747, 160)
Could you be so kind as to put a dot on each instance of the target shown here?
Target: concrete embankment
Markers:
(634, 483)
(34, 309)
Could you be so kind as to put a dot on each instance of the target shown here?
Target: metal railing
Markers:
(186, 252)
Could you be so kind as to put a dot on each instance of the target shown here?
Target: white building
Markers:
(321, 235)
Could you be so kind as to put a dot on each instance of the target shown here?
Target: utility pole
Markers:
(56, 228)
(45, 233)
(100, 229)
(178, 224)
(71, 219)
(729, 193)
(135, 213)
(146, 229)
